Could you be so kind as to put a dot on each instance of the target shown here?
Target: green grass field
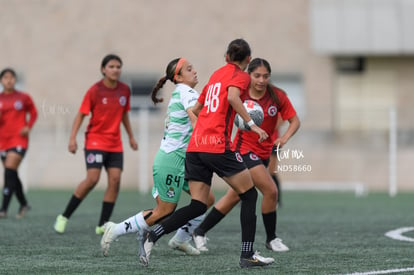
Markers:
(328, 233)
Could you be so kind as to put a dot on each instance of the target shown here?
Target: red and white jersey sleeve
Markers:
(107, 107)
(212, 133)
(14, 108)
(247, 141)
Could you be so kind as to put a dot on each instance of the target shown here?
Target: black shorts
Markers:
(200, 166)
(251, 160)
(19, 150)
(99, 158)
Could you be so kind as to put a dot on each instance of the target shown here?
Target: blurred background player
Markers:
(168, 166)
(108, 102)
(209, 150)
(14, 138)
(256, 155)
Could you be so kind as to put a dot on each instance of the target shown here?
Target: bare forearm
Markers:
(127, 125)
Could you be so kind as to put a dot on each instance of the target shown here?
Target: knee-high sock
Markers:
(10, 182)
(269, 221)
(213, 218)
(107, 208)
(248, 221)
(20, 193)
(72, 206)
(177, 219)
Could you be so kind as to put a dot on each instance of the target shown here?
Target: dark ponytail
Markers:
(237, 50)
(169, 75)
(253, 65)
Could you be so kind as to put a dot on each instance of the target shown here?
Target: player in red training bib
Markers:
(209, 151)
(14, 138)
(108, 103)
(256, 155)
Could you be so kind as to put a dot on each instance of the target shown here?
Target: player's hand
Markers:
(25, 131)
(280, 142)
(73, 146)
(262, 133)
(133, 143)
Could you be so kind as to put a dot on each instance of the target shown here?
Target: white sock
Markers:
(185, 233)
(131, 225)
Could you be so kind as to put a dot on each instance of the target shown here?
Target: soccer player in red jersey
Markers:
(14, 138)
(168, 165)
(108, 102)
(256, 155)
(209, 151)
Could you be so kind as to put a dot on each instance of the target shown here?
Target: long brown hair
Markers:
(253, 65)
(169, 75)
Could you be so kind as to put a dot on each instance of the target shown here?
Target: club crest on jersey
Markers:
(171, 192)
(253, 156)
(238, 157)
(18, 105)
(122, 100)
(272, 111)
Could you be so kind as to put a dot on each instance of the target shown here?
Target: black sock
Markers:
(107, 208)
(213, 218)
(269, 221)
(279, 191)
(20, 194)
(10, 183)
(248, 221)
(178, 219)
(71, 207)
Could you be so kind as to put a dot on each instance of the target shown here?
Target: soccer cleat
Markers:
(200, 242)
(60, 224)
(99, 230)
(185, 246)
(108, 237)
(277, 245)
(255, 260)
(144, 247)
(22, 211)
(3, 214)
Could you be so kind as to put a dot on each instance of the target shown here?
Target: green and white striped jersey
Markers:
(178, 129)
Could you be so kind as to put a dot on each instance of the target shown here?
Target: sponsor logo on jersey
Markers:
(253, 156)
(122, 100)
(171, 192)
(272, 111)
(238, 157)
(104, 100)
(18, 105)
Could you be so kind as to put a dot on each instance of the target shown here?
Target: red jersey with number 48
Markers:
(107, 107)
(13, 110)
(248, 141)
(212, 132)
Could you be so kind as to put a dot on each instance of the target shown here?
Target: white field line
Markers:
(387, 271)
(397, 234)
